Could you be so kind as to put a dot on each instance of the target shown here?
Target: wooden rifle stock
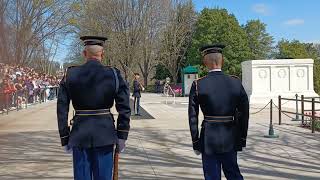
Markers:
(116, 164)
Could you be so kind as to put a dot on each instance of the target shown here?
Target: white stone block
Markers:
(267, 79)
(188, 80)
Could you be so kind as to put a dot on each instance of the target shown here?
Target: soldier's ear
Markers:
(205, 61)
(102, 54)
(84, 52)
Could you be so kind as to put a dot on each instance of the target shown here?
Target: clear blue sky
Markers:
(289, 19)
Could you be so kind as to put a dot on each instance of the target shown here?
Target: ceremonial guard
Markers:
(93, 88)
(137, 88)
(225, 106)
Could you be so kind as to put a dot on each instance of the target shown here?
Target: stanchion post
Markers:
(7, 103)
(297, 110)
(302, 109)
(271, 113)
(27, 98)
(40, 95)
(16, 100)
(271, 130)
(313, 116)
(2, 104)
(279, 105)
(45, 95)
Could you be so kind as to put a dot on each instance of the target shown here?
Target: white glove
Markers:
(197, 152)
(121, 145)
(68, 149)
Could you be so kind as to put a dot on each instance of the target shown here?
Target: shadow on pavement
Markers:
(154, 154)
(144, 114)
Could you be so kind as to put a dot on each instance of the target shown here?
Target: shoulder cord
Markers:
(116, 79)
(197, 92)
(65, 75)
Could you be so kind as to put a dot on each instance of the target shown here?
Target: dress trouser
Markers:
(93, 163)
(212, 166)
(136, 105)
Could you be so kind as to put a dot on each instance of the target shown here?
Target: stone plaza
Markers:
(159, 146)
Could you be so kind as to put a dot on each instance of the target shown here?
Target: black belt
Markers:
(221, 119)
(96, 112)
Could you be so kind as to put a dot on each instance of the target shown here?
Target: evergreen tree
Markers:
(218, 26)
(260, 42)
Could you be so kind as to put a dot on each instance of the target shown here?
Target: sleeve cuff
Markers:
(123, 134)
(243, 142)
(196, 145)
(64, 140)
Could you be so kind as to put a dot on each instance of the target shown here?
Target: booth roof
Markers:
(190, 70)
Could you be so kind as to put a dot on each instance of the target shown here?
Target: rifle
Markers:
(116, 164)
(141, 86)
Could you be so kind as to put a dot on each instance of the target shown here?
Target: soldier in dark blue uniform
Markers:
(225, 106)
(93, 88)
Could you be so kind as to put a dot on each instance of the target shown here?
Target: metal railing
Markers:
(312, 116)
(166, 91)
(22, 99)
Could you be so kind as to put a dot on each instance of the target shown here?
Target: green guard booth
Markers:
(189, 74)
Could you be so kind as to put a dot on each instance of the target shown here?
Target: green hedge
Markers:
(150, 89)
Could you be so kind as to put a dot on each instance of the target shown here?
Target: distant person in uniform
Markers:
(158, 86)
(225, 106)
(93, 88)
(137, 88)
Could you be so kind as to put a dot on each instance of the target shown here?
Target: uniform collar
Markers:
(93, 61)
(216, 73)
(215, 70)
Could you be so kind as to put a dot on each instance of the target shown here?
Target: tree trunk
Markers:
(145, 79)
(174, 78)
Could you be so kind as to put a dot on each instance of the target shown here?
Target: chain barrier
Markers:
(265, 107)
(282, 112)
(259, 108)
(269, 107)
(284, 102)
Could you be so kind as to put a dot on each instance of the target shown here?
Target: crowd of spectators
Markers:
(20, 86)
